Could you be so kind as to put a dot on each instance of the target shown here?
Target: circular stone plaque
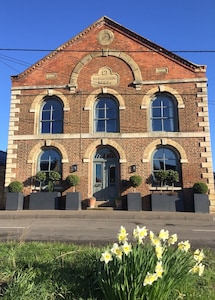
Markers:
(105, 37)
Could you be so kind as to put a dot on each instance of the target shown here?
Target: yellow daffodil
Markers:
(106, 257)
(164, 235)
(159, 251)
(155, 241)
(150, 278)
(140, 233)
(198, 268)
(122, 235)
(159, 269)
(117, 250)
(199, 255)
(172, 239)
(184, 246)
(126, 248)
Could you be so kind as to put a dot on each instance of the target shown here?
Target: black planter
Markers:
(201, 203)
(44, 200)
(134, 201)
(14, 201)
(73, 201)
(167, 202)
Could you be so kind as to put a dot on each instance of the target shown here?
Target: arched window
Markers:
(165, 159)
(106, 115)
(50, 160)
(164, 113)
(51, 116)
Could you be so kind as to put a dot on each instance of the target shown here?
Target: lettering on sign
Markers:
(105, 77)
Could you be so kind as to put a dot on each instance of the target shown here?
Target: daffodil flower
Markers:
(164, 235)
(140, 233)
(122, 235)
(150, 278)
(159, 251)
(117, 250)
(172, 239)
(126, 248)
(199, 255)
(184, 246)
(198, 268)
(106, 257)
(159, 269)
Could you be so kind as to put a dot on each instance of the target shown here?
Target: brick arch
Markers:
(164, 142)
(147, 98)
(35, 151)
(105, 142)
(39, 98)
(85, 60)
(91, 98)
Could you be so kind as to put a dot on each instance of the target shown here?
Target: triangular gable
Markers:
(151, 46)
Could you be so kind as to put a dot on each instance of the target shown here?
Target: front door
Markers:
(105, 174)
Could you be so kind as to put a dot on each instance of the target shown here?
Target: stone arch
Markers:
(147, 98)
(91, 98)
(104, 142)
(118, 54)
(49, 92)
(165, 142)
(35, 151)
(35, 105)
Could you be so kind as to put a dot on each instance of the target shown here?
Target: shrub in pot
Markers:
(72, 180)
(167, 200)
(135, 181)
(73, 199)
(48, 200)
(201, 201)
(15, 197)
(134, 200)
(200, 188)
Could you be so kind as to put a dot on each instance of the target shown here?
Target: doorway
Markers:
(105, 174)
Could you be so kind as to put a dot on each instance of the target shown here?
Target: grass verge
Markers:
(46, 271)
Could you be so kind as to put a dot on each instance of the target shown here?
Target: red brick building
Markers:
(109, 104)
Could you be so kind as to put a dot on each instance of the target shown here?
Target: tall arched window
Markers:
(164, 113)
(165, 159)
(106, 115)
(50, 160)
(51, 116)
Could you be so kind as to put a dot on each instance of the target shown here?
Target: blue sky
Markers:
(45, 24)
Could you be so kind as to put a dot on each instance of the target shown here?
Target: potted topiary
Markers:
(47, 197)
(134, 200)
(73, 199)
(201, 200)
(15, 197)
(167, 199)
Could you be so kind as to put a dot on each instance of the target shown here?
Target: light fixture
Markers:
(133, 168)
(74, 168)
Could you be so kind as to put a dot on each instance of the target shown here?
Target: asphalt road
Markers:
(101, 227)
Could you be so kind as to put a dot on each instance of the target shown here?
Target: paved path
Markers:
(101, 226)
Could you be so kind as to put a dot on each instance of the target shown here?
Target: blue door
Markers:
(105, 174)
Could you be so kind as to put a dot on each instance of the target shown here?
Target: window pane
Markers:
(106, 115)
(52, 111)
(163, 114)
(111, 126)
(100, 125)
(156, 112)
(45, 127)
(157, 125)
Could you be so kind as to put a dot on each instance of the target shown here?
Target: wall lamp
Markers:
(133, 168)
(74, 168)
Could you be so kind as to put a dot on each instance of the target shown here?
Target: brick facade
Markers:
(108, 59)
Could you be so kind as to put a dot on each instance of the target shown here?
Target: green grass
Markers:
(48, 271)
